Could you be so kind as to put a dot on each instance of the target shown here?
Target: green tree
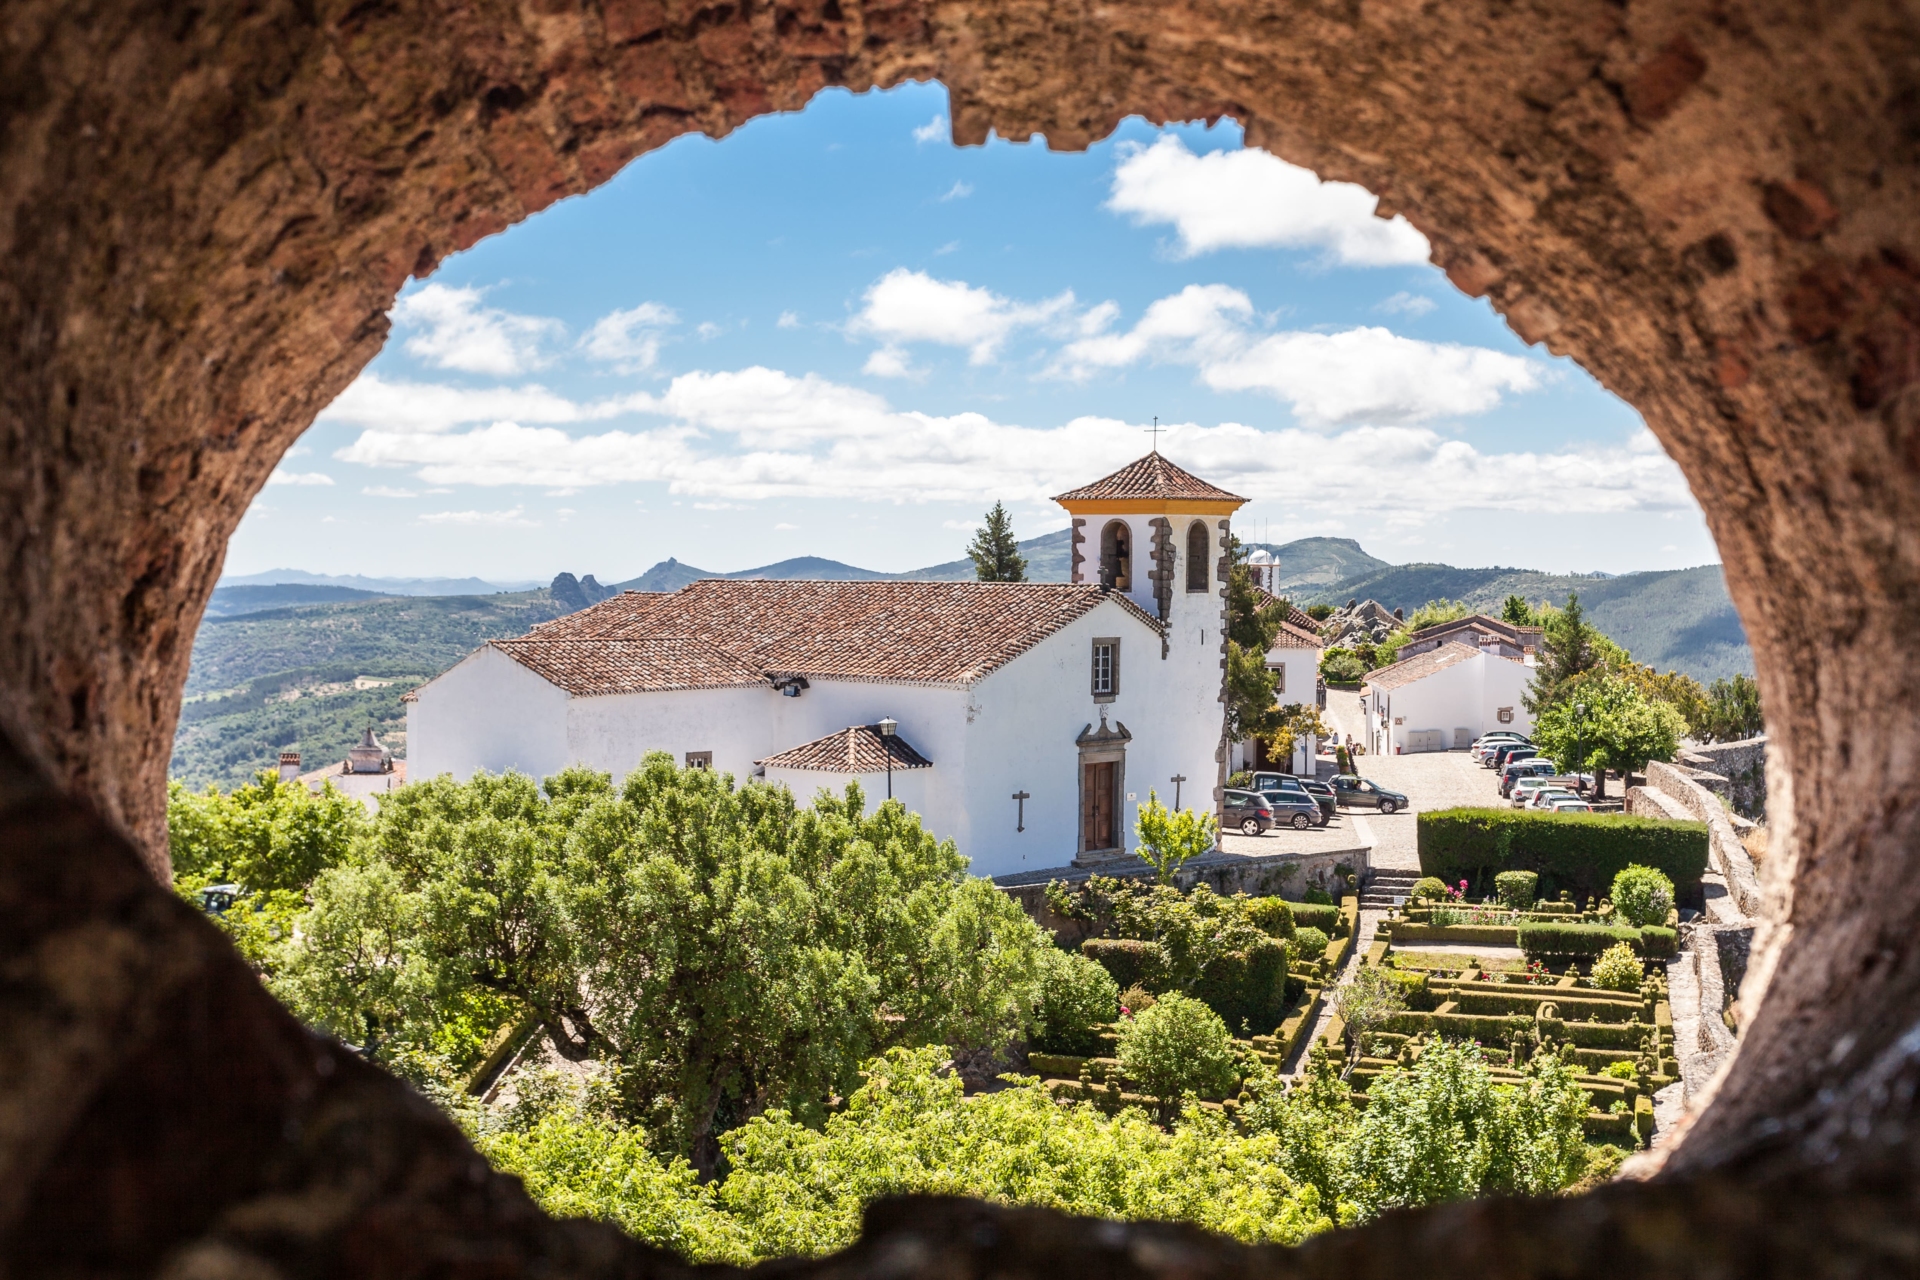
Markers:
(1518, 612)
(1253, 624)
(267, 835)
(1733, 711)
(1077, 999)
(1366, 1005)
(1603, 721)
(1571, 647)
(1166, 840)
(1340, 665)
(1176, 1047)
(721, 950)
(994, 551)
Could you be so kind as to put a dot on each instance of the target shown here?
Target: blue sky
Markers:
(835, 333)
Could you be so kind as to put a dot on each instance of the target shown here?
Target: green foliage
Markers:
(1177, 1047)
(1167, 840)
(1077, 999)
(1247, 988)
(1428, 889)
(1621, 728)
(740, 952)
(1642, 895)
(1580, 852)
(1570, 647)
(1321, 915)
(1618, 969)
(1444, 1131)
(1275, 915)
(1319, 612)
(1733, 711)
(1516, 610)
(1367, 1004)
(264, 836)
(1310, 943)
(1515, 889)
(1253, 623)
(1317, 897)
(1341, 665)
(1132, 962)
(995, 552)
(796, 1190)
(1435, 612)
(1619, 1070)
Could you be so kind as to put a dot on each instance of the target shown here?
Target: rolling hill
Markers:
(1049, 559)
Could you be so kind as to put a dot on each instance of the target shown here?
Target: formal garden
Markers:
(728, 1023)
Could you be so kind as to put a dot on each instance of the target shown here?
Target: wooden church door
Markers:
(1097, 805)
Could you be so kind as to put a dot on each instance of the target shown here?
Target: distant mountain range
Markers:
(376, 586)
(1049, 559)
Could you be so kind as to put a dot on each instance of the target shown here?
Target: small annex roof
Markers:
(1152, 478)
(723, 632)
(1294, 637)
(1485, 624)
(858, 748)
(1422, 665)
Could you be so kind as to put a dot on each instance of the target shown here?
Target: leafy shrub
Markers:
(264, 836)
(1248, 989)
(1310, 944)
(1658, 940)
(1179, 1046)
(1620, 1070)
(1551, 938)
(1319, 897)
(1274, 915)
(1428, 889)
(1136, 998)
(1367, 1004)
(1642, 895)
(1515, 889)
(1617, 969)
(1241, 781)
(1077, 998)
(1342, 666)
(1132, 962)
(1578, 851)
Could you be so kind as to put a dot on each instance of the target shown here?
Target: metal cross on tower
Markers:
(1155, 429)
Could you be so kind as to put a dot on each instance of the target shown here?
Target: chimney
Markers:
(289, 766)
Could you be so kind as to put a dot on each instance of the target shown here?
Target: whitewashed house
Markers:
(1029, 720)
(1443, 698)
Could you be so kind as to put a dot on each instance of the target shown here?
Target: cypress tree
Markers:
(995, 554)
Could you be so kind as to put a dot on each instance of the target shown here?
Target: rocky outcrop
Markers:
(206, 211)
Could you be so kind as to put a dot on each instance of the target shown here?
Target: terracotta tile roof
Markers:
(1296, 617)
(1422, 665)
(1292, 637)
(917, 632)
(1150, 477)
(650, 664)
(1484, 624)
(856, 749)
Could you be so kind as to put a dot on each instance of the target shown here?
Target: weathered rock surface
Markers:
(206, 209)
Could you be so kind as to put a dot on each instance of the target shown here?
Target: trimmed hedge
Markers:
(1541, 939)
(1131, 961)
(1408, 933)
(1579, 852)
(1316, 915)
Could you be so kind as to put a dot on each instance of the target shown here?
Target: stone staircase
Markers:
(1387, 889)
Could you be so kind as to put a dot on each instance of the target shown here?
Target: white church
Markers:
(1025, 721)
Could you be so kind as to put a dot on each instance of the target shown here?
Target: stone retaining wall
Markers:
(1737, 770)
(1729, 857)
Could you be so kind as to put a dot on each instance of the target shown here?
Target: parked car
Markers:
(1250, 812)
(1273, 785)
(1514, 774)
(1294, 810)
(1570, 804)
(1524, 789)
(1483, 746)
(1546, 796)
(215, 899)
(1363, 793)
(1510, 751)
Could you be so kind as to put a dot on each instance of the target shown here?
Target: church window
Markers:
(699, 759)
(1199, 547)
(1106, 669)
(1116, 556)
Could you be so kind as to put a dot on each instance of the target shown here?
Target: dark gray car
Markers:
(1251, 814)
(1274, 786)
(1357, 792)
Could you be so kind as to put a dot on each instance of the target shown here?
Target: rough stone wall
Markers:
(1744, 766)
(1728, 856)
(206, 210)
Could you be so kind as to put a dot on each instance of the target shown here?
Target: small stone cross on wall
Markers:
(1176, 780)
(1020, 798)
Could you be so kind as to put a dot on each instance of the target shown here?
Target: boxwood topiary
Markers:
(1322, 916)
(1428, 889)
(1130, 961)
(1275, 915)
(1515, 889)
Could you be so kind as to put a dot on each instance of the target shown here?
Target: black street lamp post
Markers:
(887, 726)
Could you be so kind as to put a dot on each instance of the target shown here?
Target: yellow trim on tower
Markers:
(1151, 506)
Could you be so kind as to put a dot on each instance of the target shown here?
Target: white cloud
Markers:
(912, 306)
(1358, 375)
(788, 320)
(1253, 200)
(457, 332)
(1407, 304)
(951, 246)
(299, 477)
(515, 518)
(386, 491)
(373, 401)
(708, 330)
(958, 191)
(932, 131)
(630, 340)
(887, 362)
(756, 434)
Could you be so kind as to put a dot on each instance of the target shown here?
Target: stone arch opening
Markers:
(1199, 556)
(208, 212)
(1116, 556)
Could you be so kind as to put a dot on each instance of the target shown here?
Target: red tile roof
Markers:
(1150, 477)
(856, 749)
(650, 664)
(1422, 665)
(1293, 637)
(713, 632)
(1520, 637)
